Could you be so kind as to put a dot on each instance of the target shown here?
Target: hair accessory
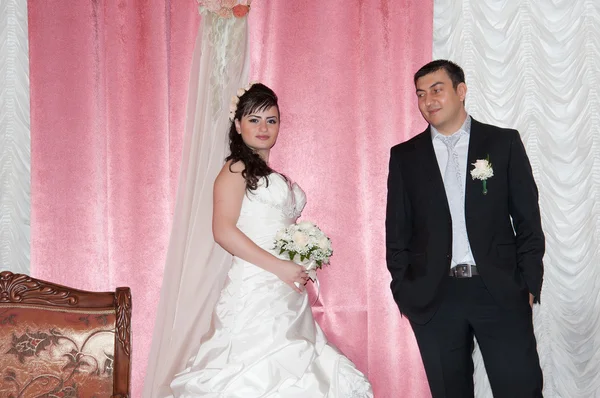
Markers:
(235, 100)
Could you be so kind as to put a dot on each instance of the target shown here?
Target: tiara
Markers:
(235, 100)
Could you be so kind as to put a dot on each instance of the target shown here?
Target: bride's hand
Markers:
(290, 272)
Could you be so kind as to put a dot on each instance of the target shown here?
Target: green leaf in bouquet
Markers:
(292, 255)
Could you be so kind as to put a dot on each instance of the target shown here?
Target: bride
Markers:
(263, 341)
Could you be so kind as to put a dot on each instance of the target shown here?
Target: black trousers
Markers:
(505, 338)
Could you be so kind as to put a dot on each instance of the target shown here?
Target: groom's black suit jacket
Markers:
(419, 225)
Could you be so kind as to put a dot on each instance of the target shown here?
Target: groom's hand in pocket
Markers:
(531, 300)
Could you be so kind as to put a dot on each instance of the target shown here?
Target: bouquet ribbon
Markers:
(311, 267)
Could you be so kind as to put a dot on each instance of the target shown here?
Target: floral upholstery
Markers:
(60, 350)
(56, 353)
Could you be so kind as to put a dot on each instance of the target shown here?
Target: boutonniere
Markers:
(482, 171)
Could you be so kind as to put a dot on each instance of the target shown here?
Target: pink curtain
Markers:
(108, 91)
(108, 88)
(343, 71)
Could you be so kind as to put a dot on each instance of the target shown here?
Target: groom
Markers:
(465, 253)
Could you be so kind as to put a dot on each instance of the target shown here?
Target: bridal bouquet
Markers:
(305, 244)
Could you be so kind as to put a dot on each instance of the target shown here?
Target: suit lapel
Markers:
(431, 168)
(477, 150)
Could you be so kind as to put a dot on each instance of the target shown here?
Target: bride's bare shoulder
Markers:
(231, 173)
(235, 167)
(232, 167)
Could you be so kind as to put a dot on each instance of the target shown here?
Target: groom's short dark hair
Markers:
(457, 75)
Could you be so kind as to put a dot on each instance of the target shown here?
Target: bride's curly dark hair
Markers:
(257, 99)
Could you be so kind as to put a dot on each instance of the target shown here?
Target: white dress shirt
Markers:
(441, 153)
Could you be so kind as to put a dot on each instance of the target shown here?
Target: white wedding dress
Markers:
(264, 341)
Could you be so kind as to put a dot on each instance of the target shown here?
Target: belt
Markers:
(463, 271)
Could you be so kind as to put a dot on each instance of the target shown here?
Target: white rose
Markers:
(483, 170)
(280, 235)
(300, 239)
(324, 243)
(240, 92)
(306, 225)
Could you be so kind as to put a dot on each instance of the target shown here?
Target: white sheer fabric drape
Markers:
(533, 65)
(196, 266)
(15, 148)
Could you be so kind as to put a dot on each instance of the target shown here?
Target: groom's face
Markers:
(440, 103)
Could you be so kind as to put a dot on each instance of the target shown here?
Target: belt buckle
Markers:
(463, 271)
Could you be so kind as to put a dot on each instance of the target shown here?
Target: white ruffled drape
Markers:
(533, 65)
(196, 266)
(15, 154)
